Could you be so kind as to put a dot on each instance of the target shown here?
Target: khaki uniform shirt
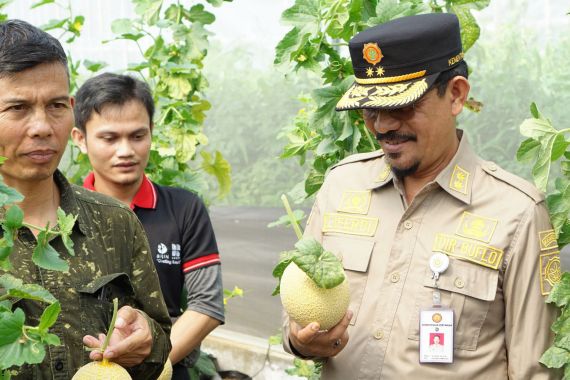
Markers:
(111, 260)
(503, 255)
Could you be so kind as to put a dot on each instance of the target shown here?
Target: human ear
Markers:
(79, 139)
(459, 90)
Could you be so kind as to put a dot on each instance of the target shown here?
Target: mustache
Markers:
(395, 136)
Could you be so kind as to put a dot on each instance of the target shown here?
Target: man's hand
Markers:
(311, 342)
(130, 343)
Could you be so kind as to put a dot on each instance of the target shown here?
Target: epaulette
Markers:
(359, 157)
(513, 180)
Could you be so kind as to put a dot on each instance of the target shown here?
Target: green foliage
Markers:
(306, 368)
(558, 355)
(319, 29)
(321, 266)
(173, 63)
(544, 147)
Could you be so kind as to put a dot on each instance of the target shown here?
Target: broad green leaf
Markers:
(94, 66)
(314, 182)
(51, 339)
(185, 146)
(2, 160)
(220, 168)
(285, 258)
(327, 146)
(123, 26)
(11, 325)
(470, 30)
(149, 10)
(14, 217)
(198, 14)
(560, 293)
(555, 357)
(387, 10)
(558, 147)
(5, 305)
(45, 256)
(178, 86)
(15, 287)
(321, 266)
(303, 13)
(65, 224)
(49, 317)
(8, 194)
(21, 351)
(528, 150)
(287, 45)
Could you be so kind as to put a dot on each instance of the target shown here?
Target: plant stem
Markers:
(292, 219)
(111, 326)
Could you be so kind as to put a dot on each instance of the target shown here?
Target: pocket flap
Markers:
(354, 253)
(468, 279)
(113, 285)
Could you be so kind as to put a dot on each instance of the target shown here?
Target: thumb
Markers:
(307, 334)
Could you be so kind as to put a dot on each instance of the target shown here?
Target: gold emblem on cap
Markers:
(369, 72)
(372, 53)
(379, 71)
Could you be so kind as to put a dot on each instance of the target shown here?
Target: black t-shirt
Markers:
(181, 239)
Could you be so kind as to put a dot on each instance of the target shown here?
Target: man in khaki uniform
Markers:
(397, 215)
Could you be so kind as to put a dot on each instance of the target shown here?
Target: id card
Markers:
(436, 335)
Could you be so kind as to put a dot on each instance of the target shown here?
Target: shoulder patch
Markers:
(513, 180)
(359, 157)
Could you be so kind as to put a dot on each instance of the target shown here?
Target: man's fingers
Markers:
(125, 316)
(307, 334)
(340, 328)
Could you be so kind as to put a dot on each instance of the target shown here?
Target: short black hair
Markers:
(23, 46)
(109, 89)
(441, 82)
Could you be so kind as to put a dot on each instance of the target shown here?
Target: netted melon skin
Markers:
(101, 371)
(305, 302)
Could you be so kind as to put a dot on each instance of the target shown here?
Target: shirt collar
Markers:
(456, 178)
(144, 198)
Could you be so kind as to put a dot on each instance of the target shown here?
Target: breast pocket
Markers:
(466, 288)
(96, 298)
(355, 256)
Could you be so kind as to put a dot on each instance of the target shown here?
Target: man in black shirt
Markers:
(113, 118)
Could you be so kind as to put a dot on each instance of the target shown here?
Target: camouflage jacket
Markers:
(111, 260)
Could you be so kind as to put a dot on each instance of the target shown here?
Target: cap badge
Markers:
(372, 53)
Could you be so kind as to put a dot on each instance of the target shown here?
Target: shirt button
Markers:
(408, 224)
(395, 277)
(459, 282)
(59, 365)
(379, 334)
(492, 167)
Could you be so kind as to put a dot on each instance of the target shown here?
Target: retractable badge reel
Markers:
(436, 323)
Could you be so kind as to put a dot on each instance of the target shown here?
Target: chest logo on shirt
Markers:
(550, 271)
(355, 201)
(547, 240)
(459, 180)
(469, 250)
(164, 256)
(476, 227)
(349, 224)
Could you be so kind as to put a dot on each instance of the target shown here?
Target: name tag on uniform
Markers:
(436, 335)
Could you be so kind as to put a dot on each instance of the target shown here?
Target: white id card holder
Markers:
(436, 335)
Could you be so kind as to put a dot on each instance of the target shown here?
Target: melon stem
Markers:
(111, 328)
(292, 218)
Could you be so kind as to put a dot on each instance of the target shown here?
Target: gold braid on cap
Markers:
(399, 78)
(382, 96)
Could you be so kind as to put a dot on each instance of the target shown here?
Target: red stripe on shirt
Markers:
(200, 262)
